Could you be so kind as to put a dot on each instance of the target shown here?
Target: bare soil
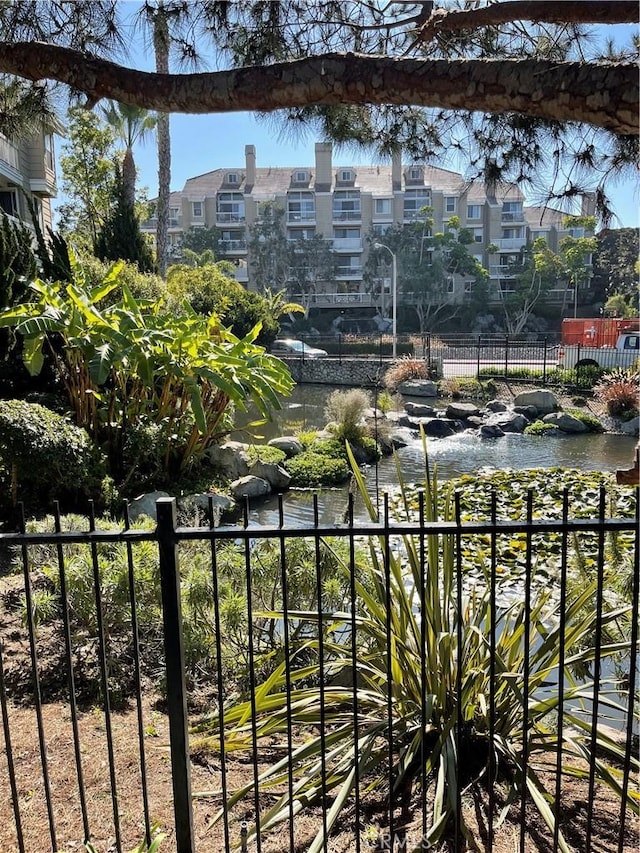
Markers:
(206, 774)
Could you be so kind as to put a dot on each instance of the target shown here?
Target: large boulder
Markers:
(544, 401)
(491, 431)
(631, 427)
(438, 427)
(496, 406)
(508, 421)
(288, 444)
(250, 487)
(418, 388)
(274, 474)
(221, 505)
(530, 412)
(145, 505)
(475, 421)
(230, 458)
(400, 437)
(565, 422)
(462, 411)
(420, 410)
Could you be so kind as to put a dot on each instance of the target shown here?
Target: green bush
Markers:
(541, 428)
(332, 447)
(265, 453)
(590, 421)
(309, 470)
(45, 457)
(346, 409)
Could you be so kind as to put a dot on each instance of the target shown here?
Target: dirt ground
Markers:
(206, 777)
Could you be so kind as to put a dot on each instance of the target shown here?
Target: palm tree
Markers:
(131, 125)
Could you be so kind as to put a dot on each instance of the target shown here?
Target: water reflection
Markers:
(463, 453)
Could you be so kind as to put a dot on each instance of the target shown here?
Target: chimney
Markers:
(588, 206)
(396, 169)
(250, 159)
(323, 164)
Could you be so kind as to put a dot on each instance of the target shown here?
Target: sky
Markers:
(202, 143)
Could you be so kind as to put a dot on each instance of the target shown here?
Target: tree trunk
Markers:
(602, 94)
(161, 47)
(129, 178)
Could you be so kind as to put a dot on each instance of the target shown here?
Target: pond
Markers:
(462, 453)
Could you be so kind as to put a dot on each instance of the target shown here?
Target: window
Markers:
(346, 233)
(301, 177)
(9, 202)
(174, 215)
(512, 211)
(197, 209)
(345, 176)
(380, 230)
(415, 173)
(301, 233)
(346, 205)
(383, 207)
(230, 207)
(474, 211)
(512, 233)
(450, 203)
(414, 201)
(450, 286)
(477, 234)
(232, 178)
(301, 207)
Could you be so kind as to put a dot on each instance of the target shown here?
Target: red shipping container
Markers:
(597, 331)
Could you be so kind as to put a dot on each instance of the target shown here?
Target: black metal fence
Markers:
(366, 684)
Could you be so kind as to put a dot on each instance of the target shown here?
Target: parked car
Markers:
(291, 346)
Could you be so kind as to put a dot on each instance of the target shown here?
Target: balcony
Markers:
(513, 216)
(10, 161)
(510, 244)
(347, 244)
(231, 247)
(349, 272)
(343, 215)
(499, 271)
(152, 224)
(329, 300)
(226, 216)
(301, 216)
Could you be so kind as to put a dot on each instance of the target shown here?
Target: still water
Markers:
(462, 453)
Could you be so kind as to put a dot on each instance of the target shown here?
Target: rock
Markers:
(565, 422)
(491, 431)
(408, 422)
(274, 474)
(418, 388)
(462, 410)
(496, 406)
(475, 420)
(250, 487)
(420, 410)
(438, 427)
(373, 414)
(508, 421)
(230, 458)
(400, 437)
(631, 427)
(220, 504)
(530, 412)
(289, 445)
(544, 401)
(145, 505)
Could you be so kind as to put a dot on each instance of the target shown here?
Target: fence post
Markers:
(174, 663)
(506, 356)
(478, 360)
(544, 362)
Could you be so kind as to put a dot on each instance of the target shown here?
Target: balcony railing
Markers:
(301, 216)
(497, 271)
(510, 244)
(349, 272)
(225, 216)
(347, 244)
(330, 299)
(230, 246)
(340, 215)
(9, 154)
(513, 216)
(153, 223)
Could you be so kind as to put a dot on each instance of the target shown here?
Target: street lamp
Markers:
(394, 284)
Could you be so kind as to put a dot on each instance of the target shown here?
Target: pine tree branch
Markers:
(601, 94)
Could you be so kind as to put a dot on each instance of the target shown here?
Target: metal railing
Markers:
(271, 640)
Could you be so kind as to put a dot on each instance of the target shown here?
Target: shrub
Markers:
(46, 457)
(332, 447)
(310, 469)
(346, 409)
(266, 453)
(388, 402)
(590, 421)
(619, 390)
(404, 369)
(306, 437)
(541, 428)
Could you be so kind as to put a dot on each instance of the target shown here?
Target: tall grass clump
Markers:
(430, 696)
(403, 370)
(345, 410)
(619, 390)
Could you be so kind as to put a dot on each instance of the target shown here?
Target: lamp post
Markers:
(394, 304)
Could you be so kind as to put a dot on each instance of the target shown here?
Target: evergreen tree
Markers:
(120, 237)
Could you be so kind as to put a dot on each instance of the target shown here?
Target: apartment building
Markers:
(27, 170)
(345, 205)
